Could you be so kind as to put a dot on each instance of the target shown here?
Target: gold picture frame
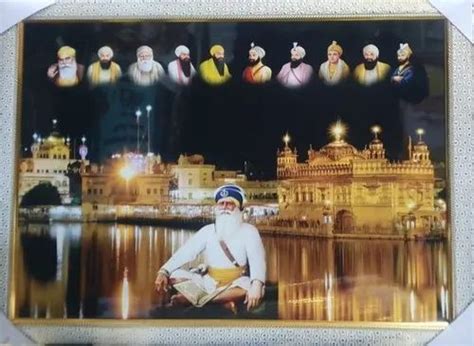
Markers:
(224, 331)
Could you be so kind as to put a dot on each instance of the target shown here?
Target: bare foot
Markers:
(231, 306)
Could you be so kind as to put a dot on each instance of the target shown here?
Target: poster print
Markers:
(239, 170)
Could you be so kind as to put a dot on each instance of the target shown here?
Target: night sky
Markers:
(235, 122)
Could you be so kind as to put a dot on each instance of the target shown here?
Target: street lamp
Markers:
(148, 110)
(83, 148)
(138, 113)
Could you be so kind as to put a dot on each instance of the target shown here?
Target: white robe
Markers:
(295, 77)
(371, 76)
(176, 73)
(245, 245)
(146, 78)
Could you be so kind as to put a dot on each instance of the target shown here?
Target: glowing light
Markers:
(286, 139)
(412, 305)
(55, 121)
(138, 113)
(338, 130)
(125, 295)
(441, 204)
(376, 129)
(83, 139)
(411, 205)
(35, 136)
(420, 132)
(443, 302)
(127, 172)
(149, 108)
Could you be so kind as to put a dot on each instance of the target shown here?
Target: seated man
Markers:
(233, 252)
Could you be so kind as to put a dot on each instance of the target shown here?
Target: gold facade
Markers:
(197, 181)
(48, 163)
(360, 191)
(131, 179)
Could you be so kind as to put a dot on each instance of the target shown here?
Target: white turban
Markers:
(371, 48)
(298, 49)
(404, 47)
(144, 49)
(181, 50)
(259, 50)
(105, 50)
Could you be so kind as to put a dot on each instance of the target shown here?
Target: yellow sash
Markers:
(96, 69)
(224, 276)
(67, 82)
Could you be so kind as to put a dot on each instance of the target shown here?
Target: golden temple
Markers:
(344, 190)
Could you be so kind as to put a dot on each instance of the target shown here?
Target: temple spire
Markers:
(420, 132)
(409, 148)
(286, 139)
(338, 130)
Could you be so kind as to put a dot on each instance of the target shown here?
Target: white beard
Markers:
(228, 224)
(68, 71)
(145, 65)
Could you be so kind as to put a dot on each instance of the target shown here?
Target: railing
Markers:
(302, 170)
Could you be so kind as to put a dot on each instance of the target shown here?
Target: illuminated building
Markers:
(48, 163)
(359, 191)
(126, 179)
(197, 181)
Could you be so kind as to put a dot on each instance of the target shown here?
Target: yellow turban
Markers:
(334, 47)
(216, 48)
(65, 52)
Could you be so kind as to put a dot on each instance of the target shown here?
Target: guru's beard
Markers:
(67, 71)
(228, 223)
(145, 65)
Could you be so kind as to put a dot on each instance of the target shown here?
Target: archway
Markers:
(344, 222)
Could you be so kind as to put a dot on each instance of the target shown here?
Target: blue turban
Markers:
(230, 191)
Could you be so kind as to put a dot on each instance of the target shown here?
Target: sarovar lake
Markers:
(107, 271)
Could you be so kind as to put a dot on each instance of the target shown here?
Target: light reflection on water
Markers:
(78, 271)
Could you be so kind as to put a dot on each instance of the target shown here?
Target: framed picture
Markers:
(261, 168)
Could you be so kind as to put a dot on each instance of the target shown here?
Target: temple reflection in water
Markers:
(107, 271)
